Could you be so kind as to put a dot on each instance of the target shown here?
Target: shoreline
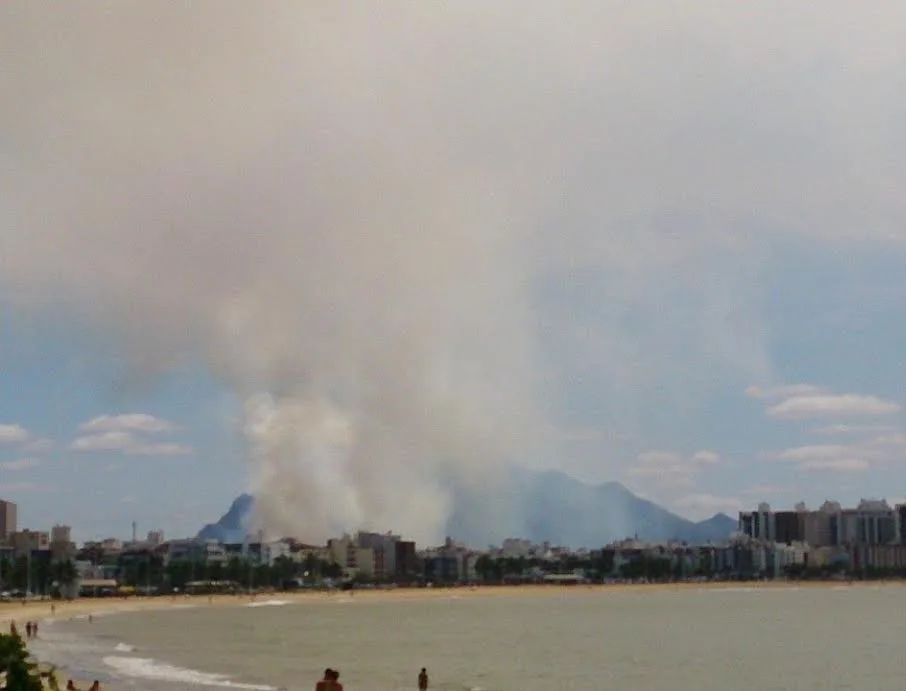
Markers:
(80, 610)
(67, 610)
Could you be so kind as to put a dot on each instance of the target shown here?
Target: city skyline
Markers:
(343, 274)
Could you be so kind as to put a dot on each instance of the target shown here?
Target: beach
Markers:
(36, 610)
(181, 639)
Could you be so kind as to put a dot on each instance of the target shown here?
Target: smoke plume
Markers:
(258, 187)
(361, 217)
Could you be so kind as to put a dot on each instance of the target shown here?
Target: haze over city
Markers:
(345, 259)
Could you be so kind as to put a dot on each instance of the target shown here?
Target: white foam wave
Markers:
(146, 668)
(268, 603)
(124, 648)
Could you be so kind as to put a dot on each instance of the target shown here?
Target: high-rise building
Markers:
(60, 534)
(7, 519)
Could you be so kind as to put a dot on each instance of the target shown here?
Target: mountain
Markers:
(231, 528)
(552, 506)
(540, 506)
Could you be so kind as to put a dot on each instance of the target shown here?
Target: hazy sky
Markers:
(342, 255)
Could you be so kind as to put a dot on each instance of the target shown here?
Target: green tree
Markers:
(330, 569)
(484, 567)
(178, 573)
(21, 673)
(64, 573)
(284, 569)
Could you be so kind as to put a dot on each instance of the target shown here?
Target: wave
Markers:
(146, 668)
(124, 648)
(269, 603)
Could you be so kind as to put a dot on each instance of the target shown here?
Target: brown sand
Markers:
(41, 611)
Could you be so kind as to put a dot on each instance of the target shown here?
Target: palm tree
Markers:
(19, 672)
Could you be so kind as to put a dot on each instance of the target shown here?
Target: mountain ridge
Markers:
(539, 506)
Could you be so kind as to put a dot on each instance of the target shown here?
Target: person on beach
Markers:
(423, 680)
(28, 630)
(335, 684)
(70, 686)
(324, 684)
(34, 629)
(95, 686)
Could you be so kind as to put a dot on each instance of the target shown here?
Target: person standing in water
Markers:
(325, 683)
(423, 680)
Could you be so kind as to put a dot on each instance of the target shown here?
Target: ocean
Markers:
(689, 639)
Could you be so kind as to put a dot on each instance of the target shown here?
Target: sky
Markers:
(341, 256)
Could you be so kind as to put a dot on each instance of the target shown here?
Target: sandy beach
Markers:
(42, 610)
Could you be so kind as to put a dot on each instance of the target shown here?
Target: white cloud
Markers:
(126, 443)
(836, 464)
(133, 422)
(108, 441)
(13, 434)
(818, 451)
(159, 450)
(706, 457)
(20, 464)
(853, 429)
(786, 391)
(829, 405)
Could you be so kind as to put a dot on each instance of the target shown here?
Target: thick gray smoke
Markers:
(258, 186)
(347, 211)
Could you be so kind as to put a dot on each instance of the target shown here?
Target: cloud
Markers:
(836, 464)
(24, 488)
(126, 443)
(813, 406)
(670, 468)
(134, 422)
(39, 446)
(160, 450)
(853, 429)
(846, 457)
(816, 452)
(787, 391)
(108, 441)
(13, 434)
(20, 464)
(706, 457)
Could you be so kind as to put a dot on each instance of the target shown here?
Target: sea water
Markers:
(571, 638)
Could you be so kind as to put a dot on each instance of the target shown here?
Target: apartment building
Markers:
(7, 519)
